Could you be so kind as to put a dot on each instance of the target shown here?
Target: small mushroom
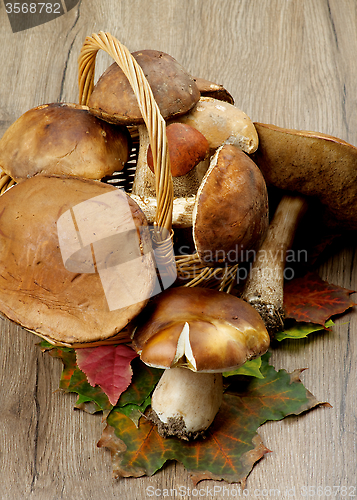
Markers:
(231, 214)
(195, 334)
(188, 150)
(222, 123)
(63, 139)
(59, 237)
(211, 89)
(306, 166)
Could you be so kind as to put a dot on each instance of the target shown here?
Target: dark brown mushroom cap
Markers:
(174, 90)
(223, 331)
(215, 90)
(63, 139)
(187, 148)
(315, 165)
(37, 291)
(231, 210)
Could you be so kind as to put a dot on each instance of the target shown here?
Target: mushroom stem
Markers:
(264, 287)
(144, 182)
(185, 403)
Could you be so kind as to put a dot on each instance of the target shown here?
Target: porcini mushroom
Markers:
(188, 150)
(60, 239)
(215, 90)
(113, 99)
(306, 166)
(195, 334)
(231, 212)
(63, 139)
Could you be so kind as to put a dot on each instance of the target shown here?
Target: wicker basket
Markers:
(189, 266)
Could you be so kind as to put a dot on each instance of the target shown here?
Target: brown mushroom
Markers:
(60, 239)
(306, 166)
(113, 99)
(231, 214)
(211, 89)
(195, 334)
(63, 139)
(174, 90)
(188, 150)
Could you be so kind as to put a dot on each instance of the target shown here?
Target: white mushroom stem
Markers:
(181, 212)
(144, 182)
(185, 402)
(264, 287)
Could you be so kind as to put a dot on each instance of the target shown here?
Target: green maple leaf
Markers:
(250, 368)
(302, 330)
(232, 444)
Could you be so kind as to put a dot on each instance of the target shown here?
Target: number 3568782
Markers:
(33, 8)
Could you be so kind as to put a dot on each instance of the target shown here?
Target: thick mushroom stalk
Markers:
(185, 403)
(264, 287)
(195, 334)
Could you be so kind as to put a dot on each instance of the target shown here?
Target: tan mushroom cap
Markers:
(231, 212)
(201, 329)
(187, 148)
(312, 164)
(37, 291)
(174, 90)
(221, 122)
(63, 139)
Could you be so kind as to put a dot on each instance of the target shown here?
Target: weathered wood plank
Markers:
(287, 62)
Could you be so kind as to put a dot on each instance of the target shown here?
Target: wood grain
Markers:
(287, 62)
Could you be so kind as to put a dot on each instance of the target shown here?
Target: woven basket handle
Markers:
(155, 123)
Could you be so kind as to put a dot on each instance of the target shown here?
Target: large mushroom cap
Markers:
(312, 164)
(63, 139)
(174, 90)
(200, 329)
(231, 209)
(36, 288)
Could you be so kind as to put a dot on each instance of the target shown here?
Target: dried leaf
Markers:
(232, 445)
(311, 300)
(108, 367)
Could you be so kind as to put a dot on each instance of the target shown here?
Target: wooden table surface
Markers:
(287, 62)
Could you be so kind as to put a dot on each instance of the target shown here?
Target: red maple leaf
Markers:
(312, 300)
(107, 366)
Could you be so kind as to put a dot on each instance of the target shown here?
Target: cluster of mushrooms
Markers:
(59, 156)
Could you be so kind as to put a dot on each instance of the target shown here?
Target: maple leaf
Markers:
(91, 399)
(132, 402)
(232, 445)
(108, 367)
(311, 300)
